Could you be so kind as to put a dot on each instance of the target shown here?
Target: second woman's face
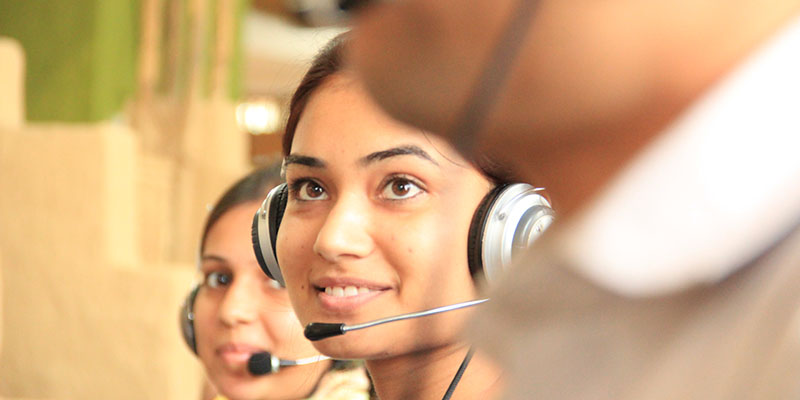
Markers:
(376, 225)
(240, 311)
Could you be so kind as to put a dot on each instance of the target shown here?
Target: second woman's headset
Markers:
(186, 319)
(508, 219)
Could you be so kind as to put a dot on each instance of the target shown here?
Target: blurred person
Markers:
(237, 312)
(665, 133)
(376, 220)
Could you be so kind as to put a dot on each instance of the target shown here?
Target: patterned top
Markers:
(339, 384)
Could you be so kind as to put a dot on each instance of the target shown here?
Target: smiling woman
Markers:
(237, 312)
(376, 223)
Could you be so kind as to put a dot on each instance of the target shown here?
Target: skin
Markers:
(247, 314)
(376, 204)
(593, 83)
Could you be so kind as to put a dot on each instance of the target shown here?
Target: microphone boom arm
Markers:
(304, 361)
(418, 314)
(321, 330)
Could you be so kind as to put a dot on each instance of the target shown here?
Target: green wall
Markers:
(81, 55)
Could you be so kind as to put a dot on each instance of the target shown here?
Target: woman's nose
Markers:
(240, 303)
(345, 232)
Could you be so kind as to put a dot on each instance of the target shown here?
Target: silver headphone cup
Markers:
(264, 237)
(518, 216)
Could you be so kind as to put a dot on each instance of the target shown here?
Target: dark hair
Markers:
(328, 62)
(253, 187)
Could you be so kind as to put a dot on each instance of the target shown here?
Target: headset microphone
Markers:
(263, 363)
(323, 330)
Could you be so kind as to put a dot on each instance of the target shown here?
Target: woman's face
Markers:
(240, 311)
(376, 225)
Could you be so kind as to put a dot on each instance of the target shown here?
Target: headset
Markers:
(186, 319)
(508, 220)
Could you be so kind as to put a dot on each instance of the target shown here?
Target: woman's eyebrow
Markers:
(213, 257)
(308, 161)
(398, 151)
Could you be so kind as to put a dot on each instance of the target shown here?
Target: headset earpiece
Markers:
(509, 218)
(186, 320)
(265, 231)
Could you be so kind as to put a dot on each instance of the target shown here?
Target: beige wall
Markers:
(97, 242)
(12, 83)
(1, 302)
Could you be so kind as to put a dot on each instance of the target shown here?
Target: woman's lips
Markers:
(345, 295)
(236, 353)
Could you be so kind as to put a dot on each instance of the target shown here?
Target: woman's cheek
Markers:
(287, 327)
(204, 311)
(287, 245)
(292, 257)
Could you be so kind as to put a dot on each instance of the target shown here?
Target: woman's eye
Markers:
(218, 279)
(309, 191)
(400, 189)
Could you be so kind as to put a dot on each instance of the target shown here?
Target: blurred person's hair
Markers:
(253, 187)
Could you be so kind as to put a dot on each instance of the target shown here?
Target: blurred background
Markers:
(120, 122)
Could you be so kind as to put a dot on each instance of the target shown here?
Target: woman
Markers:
(376, 224)
(237, 311)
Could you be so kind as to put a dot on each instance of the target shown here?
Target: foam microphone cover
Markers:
(260, 364)
(321, 330)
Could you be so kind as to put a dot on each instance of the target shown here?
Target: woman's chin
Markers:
(347, 348)
(241, 391)
(256, 391)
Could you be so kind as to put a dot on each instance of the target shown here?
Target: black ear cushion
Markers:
(276, 209)
(186, 320)
(475, 238)
(257, 246)
(275, 213)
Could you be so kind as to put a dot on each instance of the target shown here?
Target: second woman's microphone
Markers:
(263, 363)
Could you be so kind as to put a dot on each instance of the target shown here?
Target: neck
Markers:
(427, 374)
